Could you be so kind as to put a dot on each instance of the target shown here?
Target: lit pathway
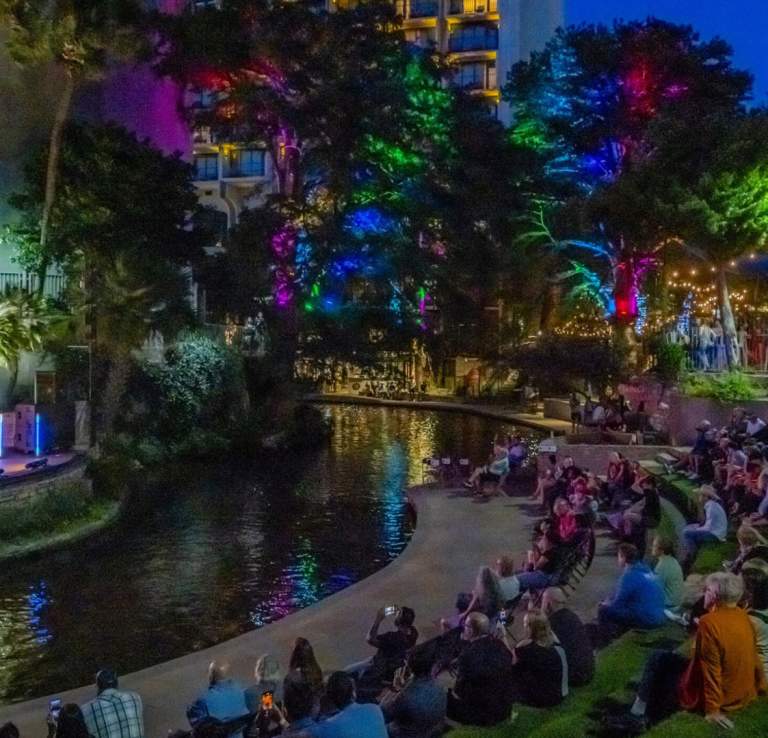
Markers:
(498, 412)
(453, 536)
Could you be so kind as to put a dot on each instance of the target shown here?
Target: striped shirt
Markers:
(114, 714)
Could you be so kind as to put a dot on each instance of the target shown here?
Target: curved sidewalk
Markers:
(453, 536)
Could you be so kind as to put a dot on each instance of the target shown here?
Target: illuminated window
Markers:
(476, 76)
(422, 8)
(206, 167)
(245, 163)
(474, 37)
(424, 38)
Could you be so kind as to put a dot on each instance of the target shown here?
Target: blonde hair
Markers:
(729, 587)
(540, 629)
(267, 669)
(749, 536)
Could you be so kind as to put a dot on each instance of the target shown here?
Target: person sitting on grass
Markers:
(714, 529)
(755, 600)
(668, 572)
(723, 675)
(639, 599)
(572, 636)
(540, 674)
(484, 690)
(416, 706)
(497, 467)
(751, 546)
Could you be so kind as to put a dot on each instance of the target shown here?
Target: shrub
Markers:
(47, 512)
(730, 387)
(669, 359)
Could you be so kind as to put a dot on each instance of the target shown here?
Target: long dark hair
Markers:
(71, 723)
(303, 660)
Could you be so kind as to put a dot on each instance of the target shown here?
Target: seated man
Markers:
(639, 599)
(712, 530)
(417, 707)
(352, 720)
(299, 704)
(224, 700)
(484, 690)
(724, 673)
(392, 646)
(572, 635)
(114, 713)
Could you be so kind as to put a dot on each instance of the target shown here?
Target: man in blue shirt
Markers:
(223, 701)
(353, 720)
(639, 598)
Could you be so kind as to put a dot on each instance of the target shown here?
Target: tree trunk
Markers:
(726, 314)
(117, 380)
(52, 171)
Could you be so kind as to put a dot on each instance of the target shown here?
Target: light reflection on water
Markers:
(223, 551)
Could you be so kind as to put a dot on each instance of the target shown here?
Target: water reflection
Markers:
(219, 551)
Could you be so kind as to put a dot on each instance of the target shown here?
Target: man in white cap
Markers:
(713, 529)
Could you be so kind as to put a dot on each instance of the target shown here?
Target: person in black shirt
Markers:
(540, 674)
(572, 635)
(484, 691)
(392, 647)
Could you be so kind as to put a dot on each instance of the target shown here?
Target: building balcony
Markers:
(472, 7)
(417, 8)
(230, 163)
(458, 43)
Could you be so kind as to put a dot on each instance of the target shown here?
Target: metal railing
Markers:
(462, 7)
(54, 283)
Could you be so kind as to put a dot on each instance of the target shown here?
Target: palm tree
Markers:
(25, 321)
(127, 304)
(78, 38)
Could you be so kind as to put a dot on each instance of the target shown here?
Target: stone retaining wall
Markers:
(595, 458)
(25, 491)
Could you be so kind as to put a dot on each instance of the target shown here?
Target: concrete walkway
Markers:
(500, 412)
(454, 535)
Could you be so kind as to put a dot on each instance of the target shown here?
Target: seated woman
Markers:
(643, 513)
(487, 597)
(540, 665)
(497, 468)
(618, 479)
(751, 546)
(564, 523)
(547, 480)
(544, 561)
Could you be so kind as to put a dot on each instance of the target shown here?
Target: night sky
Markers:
(743, 23)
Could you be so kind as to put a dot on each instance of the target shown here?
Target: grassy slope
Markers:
(622, 662)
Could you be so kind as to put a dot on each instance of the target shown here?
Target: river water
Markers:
(220, 549)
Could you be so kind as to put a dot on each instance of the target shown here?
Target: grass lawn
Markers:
(616, 668)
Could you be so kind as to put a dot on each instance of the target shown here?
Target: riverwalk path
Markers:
(453, 536)
(497, 412)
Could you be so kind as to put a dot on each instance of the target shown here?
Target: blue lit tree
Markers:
(587, 105)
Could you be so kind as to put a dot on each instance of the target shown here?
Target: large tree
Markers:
(76, 39)
(120, 228)
(587, 105)
(358, 126)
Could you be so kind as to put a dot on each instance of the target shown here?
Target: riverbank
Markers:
(100, 515)
(506, 414)
(336, 626)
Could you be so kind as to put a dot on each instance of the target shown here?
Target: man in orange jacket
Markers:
(723, 674)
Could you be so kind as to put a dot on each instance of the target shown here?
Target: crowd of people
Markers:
(481, 664)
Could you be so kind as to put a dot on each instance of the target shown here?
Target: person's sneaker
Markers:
(683, 619)
(469, 485)
(624, 725)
